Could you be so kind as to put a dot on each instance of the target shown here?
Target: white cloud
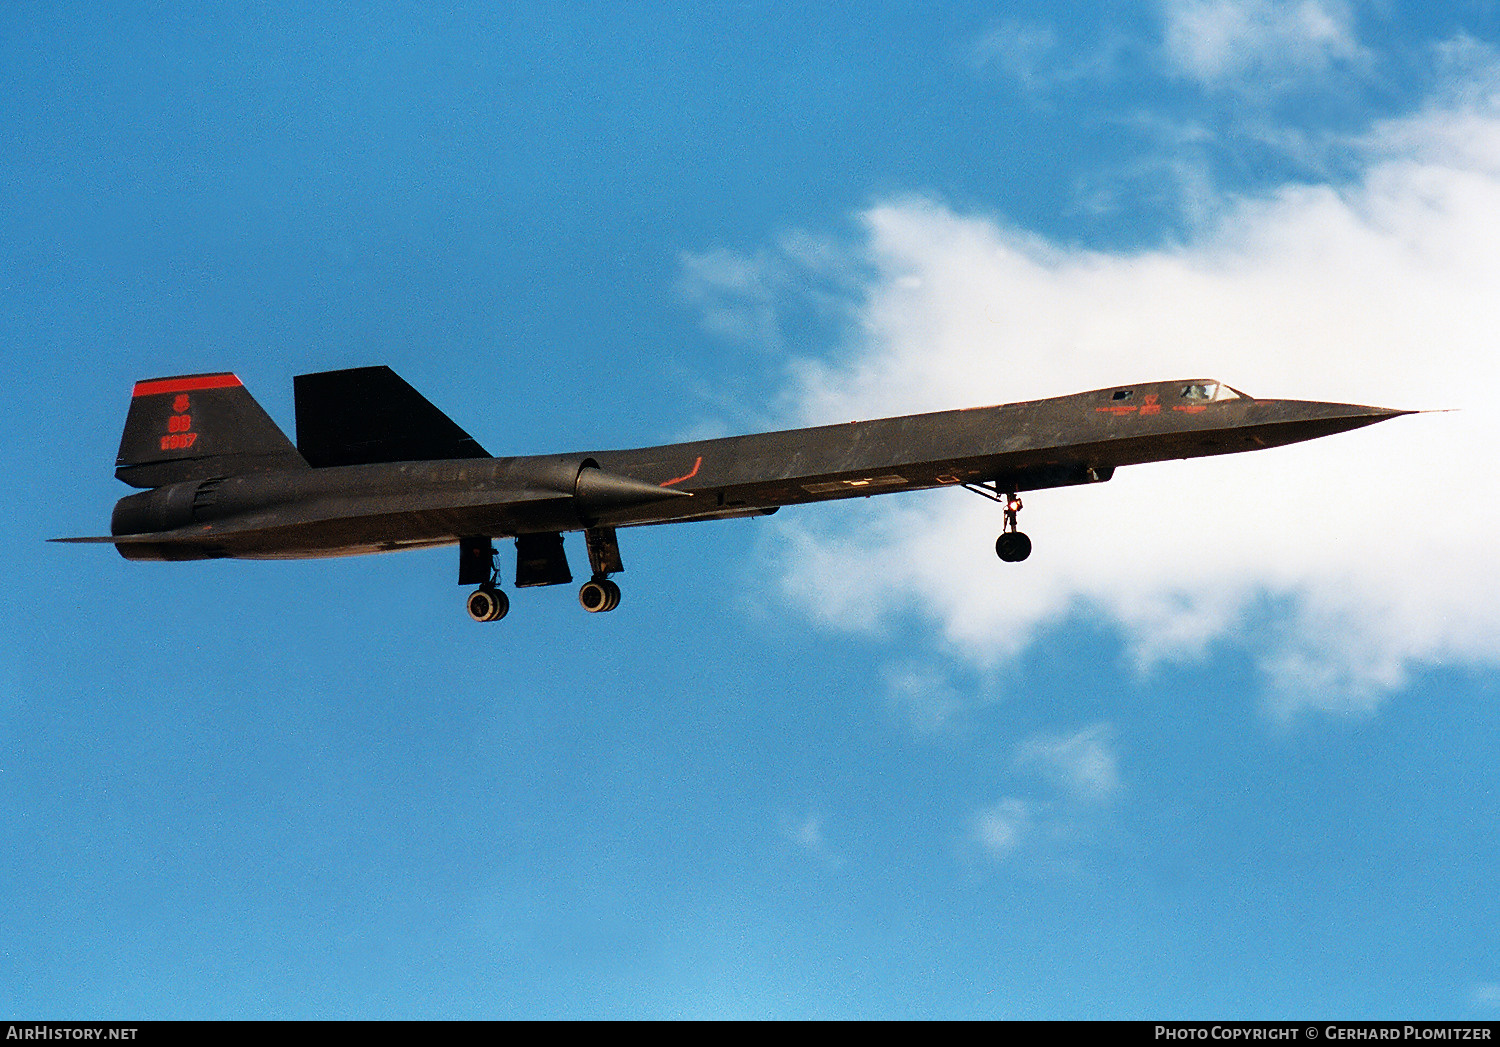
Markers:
(736, 295)
(745, 299)
(1001, 829)
(1081, 777)
(1082, 764)
(1239, 42)
(1022, 51)
(807, 833)
(1485, 996)
(923, 696)
(1337, 565)
(1030, 55)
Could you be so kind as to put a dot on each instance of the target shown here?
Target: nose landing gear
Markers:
(1012, 546)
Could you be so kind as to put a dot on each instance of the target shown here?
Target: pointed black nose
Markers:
(1292, 421)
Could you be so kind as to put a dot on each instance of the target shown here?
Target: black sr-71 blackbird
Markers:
(376, 467)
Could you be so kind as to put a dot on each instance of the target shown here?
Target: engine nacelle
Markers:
(166, 508)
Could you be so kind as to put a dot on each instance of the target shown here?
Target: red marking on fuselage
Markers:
(689, 476)
(1191, 408)
(1149, 405)
(185, 385)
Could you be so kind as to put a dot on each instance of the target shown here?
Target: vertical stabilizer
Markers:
(370, 414)
(197, 426)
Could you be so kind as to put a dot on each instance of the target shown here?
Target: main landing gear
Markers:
(477, 564)
(599, 594)
(1012, 546)
(488, 604)
(540, 560)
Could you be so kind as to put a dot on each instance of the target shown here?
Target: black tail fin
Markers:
(198, 426)
(370, 414)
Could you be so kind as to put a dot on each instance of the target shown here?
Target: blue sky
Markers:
(1225, 746)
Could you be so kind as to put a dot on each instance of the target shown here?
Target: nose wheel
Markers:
(1013, 546)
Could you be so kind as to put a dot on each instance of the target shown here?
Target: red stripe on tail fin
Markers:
(189, 384)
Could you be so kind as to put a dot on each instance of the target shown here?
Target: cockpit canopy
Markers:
(1197, 391)
(1204, 392)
